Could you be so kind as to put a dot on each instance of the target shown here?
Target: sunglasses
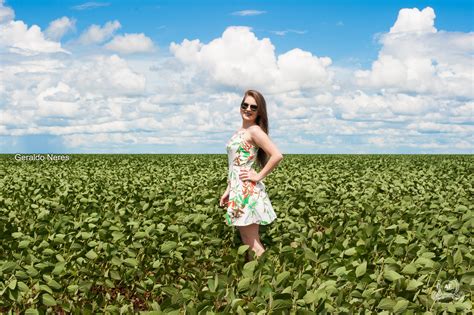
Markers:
(252, 107)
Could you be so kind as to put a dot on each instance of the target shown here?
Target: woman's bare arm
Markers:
(261, 139)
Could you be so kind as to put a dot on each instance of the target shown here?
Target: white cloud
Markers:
(444, 147)
(299, 69)
(59, 27)
(17, 38)
(431, 127)
(303, 141)
(58, 101)
(130, 43)
(96, 34)
(104, 75)
(248, 12)
(378, 141)
(414, 20)
(90, 5)
(283, 33)
(145, 123)
(239, 59)
(360, 105)
(415, 57)
(6, 13)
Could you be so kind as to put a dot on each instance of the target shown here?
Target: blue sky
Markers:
(371, 76)
(343, 30)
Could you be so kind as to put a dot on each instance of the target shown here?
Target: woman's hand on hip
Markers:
(249, 174)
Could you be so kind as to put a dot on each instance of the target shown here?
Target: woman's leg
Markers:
(249, 236)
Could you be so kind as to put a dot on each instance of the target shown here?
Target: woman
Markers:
(247, 202)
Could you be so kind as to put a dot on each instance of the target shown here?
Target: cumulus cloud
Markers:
(239, 59)
(360, 105)
(58, 101)
(414, 20)
(130, 43)
(17, 38)
(104, 75)
(96, 34)
(59, 27)
(6, 13)
(415, 57)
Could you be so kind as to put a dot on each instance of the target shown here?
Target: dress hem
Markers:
(268, 223)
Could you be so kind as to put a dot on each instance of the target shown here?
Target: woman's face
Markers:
(248, 114)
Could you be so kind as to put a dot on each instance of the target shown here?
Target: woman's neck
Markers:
(247, 125)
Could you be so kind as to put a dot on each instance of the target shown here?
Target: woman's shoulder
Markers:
(254, 128)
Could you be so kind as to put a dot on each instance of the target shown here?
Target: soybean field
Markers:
(144, 234)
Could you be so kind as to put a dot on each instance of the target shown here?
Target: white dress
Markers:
(248, 201)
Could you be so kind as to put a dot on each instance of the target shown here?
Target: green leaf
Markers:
(386, 304)
(310, 297)
(58, 268)
(24, 244)
(54, 284)
(140, 235)
(400, 240)
(17, 234)
(22, 286)
(12, 284)
(457, 258)
(167, 246)
(242, 249)
(91, 255)
(309, 254)
(86, 235)
(117, 235)
(282, 276)
(392, 275)
(243, 284)
(9, 266)
(132, 262)
(72, 288)
(31, 271)
(413, 284)
(48, 300)
(425, 262)
(31, 311)
(116, 261)
(340, 271)
(281, 304)
(361, 269)
(248, 269)
(449, 240)
(48, 251)
(351, 251)
(400, 306)
(409, 269)
(115, 275)
(44, 287)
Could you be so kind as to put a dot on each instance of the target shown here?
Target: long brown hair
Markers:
(261, 120)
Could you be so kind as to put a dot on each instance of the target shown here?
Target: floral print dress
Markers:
(248, 201)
